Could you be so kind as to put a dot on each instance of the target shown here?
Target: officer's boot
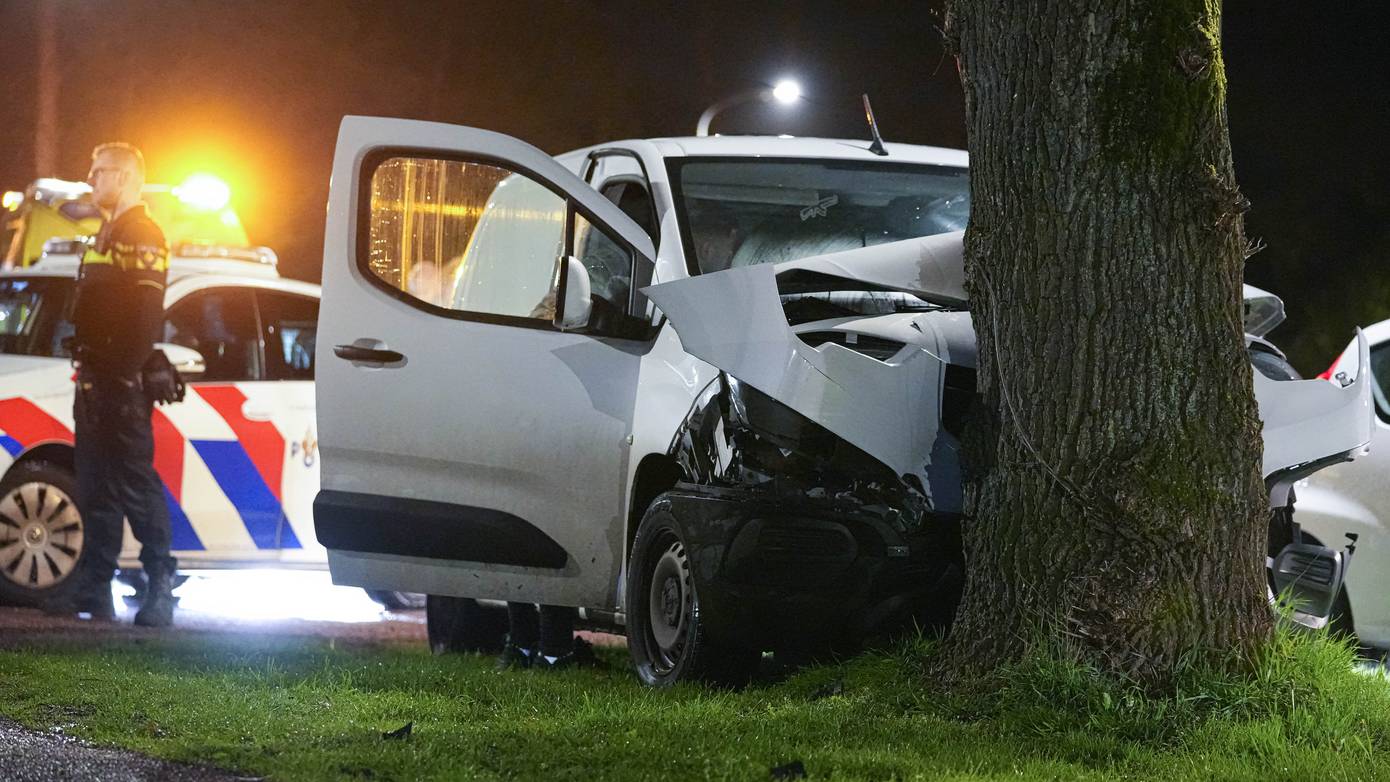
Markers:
(158, 608)
(89, 594)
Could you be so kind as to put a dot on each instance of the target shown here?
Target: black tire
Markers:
(397, 601)
(462, 625)
(665, 629)
(1339, 621)
(42, 540)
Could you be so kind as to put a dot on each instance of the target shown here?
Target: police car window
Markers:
(464, 236)
(35, 316)
(219, 323)
(290, 324)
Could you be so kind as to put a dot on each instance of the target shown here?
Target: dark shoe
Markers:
(514, 658)
(581, 656)
(158, 608)
(94, 600)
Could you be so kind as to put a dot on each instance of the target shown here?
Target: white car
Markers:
(705, 389)
(239, 457)
(1354, 499)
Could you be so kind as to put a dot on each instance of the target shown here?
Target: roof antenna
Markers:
(877, 146)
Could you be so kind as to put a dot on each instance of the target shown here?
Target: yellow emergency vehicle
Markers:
(196, 211)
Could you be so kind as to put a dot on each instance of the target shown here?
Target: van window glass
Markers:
(633, 199)
(219, 323)
(744, 211)
(290, 326)
(609, 265)
(464, 236)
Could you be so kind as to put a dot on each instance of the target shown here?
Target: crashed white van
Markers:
(707, 390)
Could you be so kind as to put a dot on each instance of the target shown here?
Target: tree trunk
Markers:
(1114, 495)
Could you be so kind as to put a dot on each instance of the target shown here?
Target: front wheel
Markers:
(665, 631)
(41, 533)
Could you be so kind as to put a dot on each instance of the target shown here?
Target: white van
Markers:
(705, 389)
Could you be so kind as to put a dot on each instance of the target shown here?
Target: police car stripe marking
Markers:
(262, 442)
(181, 534)
(250, 479)
(239, 479)
(28, 424)
(168, 454)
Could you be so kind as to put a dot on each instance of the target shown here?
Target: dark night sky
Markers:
(253, 91)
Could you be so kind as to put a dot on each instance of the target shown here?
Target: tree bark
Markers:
(1114, 489)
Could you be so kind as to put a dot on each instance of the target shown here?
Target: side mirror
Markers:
(573, 302)
(188, 362)
(1311, 575)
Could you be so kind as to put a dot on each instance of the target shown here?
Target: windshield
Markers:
(745, 211)
(34, 314)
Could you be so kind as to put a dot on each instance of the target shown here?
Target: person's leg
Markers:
(103, 520)
(523, 636)
(557, 631)
(142, 495)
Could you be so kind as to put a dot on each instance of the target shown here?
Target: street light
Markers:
(785, 92)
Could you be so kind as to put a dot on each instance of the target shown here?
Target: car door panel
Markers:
(489, 459)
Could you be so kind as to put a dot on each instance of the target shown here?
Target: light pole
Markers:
(785, 92)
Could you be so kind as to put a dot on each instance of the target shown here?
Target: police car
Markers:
(239, 457)
(707, 390)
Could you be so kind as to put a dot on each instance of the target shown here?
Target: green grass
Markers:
(304, 710)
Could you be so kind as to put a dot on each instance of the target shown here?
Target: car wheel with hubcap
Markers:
(41, 533)
(665, 633)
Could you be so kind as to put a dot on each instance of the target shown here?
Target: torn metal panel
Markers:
(734, 320)
(853, 361)
(1306, 421)
(931, 267)
(734, 436)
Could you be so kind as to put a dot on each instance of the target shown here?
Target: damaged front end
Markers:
(792, 527)
(823, 463)
(846, 380)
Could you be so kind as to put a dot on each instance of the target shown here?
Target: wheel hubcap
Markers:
(40, 535)
(669, 604)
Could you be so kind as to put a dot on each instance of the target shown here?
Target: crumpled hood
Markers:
(931, 267)
(891, 408)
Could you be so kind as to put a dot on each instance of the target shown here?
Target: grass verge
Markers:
(294, 711)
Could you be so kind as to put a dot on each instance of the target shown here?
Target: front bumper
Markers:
(769, 570)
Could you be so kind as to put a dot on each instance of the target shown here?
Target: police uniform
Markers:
(118, 317)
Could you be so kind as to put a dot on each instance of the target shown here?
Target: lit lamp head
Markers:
(786, 92)
(204, 191)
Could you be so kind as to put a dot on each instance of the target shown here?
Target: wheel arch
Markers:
(53, 452)
(655, 474)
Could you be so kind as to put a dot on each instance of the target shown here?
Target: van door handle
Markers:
(367, 355)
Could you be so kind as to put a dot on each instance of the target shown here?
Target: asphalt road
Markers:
(33, 756)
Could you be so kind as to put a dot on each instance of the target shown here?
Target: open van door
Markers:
(477, 367)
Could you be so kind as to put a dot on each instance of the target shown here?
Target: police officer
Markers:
(118, 317)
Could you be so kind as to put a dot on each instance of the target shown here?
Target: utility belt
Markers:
(157, 378)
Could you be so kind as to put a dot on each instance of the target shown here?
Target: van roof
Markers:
(794, 147)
